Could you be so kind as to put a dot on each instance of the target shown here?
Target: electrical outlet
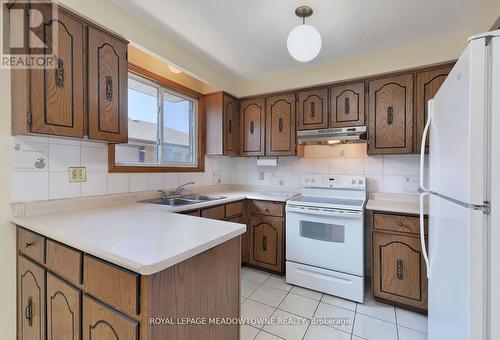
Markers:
(77, 175)
(261, 175)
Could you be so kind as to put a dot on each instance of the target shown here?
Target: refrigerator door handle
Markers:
(422, 234)
(422, 146)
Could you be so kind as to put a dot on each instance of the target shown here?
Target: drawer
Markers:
(399, 223)
(192, 213)
(234, 209)
(114, 285)
(65, 261)
(266, 208)
(31, 244)
(102, 322)
(215, 213)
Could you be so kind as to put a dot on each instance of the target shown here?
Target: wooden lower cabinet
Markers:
(31, 300)
(63, 310)
(101, 322)
(266, 242)
(399, 272)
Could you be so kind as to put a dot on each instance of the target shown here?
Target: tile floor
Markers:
(264, 295)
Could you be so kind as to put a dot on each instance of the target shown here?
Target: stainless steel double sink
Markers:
(184, 200)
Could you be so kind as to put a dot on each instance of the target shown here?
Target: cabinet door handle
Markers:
(390, 115)
(28, 312)
(60, 73)
(264, 243)
(109, 88)
(29, 244)
(280, 125)
(313, 109)
(230, 126)
(399, 269)
(347, 106)
(251, 127)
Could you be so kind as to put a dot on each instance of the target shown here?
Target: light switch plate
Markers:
(77, 175)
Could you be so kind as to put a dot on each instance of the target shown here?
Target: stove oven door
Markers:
(327, 238)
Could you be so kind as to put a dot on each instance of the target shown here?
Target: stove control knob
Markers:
(313, 180)
(306, 179)
(353, 181)
(360, 181)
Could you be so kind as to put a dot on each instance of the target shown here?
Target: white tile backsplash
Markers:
(40, 170)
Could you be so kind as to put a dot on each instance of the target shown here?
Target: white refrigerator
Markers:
(463, 157)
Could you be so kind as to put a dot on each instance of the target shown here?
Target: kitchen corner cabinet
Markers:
(79, 96)
(427, 85)
(390, 119)
(347, 105)
(399, 274)
(280, 125)
(312, 109)
(223, 124)
(253, 120)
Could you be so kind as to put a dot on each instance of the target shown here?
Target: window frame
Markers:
(199, 147)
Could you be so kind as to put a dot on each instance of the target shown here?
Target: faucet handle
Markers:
(163, 193)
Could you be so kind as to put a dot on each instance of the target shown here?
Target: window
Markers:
(163, 131)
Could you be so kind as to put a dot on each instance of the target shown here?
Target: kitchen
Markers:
(337, 186)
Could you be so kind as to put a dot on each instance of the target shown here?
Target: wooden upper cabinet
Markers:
(107, 87)
(56, 95)
(390, 119)
(312, 109)
(63, 310)
(280, 125)
(427, 85)
(223, 126)
(252, 115)
(347, 105)
(31, 300)
(231, 125)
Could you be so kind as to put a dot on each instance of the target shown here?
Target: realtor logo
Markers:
(30, 34)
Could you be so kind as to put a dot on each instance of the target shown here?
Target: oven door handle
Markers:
(324, 212)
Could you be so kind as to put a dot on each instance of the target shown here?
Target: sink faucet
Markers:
(178, 190)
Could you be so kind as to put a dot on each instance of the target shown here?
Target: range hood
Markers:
(355, 134)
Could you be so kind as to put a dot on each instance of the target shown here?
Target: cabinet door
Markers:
(57, 95)
(101, 322)
(280, 125)
(63, 310)
(391, 115)
(31, 300)
(266, 242)
(231, 126)
(312, 109)
(347, 105)
(399, 273)
(107, 85)
(428, 83)
(252, 114)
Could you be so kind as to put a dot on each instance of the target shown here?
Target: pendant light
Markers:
(304, 41)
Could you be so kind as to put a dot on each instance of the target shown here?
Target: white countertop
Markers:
(144, 238)
(398, 203)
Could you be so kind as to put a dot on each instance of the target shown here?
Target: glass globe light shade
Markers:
(174, 69)
(304, 42)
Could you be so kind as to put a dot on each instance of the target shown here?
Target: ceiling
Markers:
(247, 39)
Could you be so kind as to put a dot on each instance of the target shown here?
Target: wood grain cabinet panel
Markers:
(103, 323)
(107, 87)
(31, 300)
(267, 208)
(31, 244)
(312, 109)
(57, 94)
(215, 213)
(398, 223)
(390, 117)
(399, 273)
(252, 115)
(231, 125)
(65, 261)
(266, 242)
(347, 105)
(234, 209)
(63, 310)
(280, 125)
(428, 83)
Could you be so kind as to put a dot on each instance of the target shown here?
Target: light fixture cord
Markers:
(303, 20)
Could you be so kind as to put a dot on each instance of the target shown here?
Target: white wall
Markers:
(7, 230)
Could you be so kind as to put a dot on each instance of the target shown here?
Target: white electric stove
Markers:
(325, 235)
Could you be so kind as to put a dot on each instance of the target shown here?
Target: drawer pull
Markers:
(109, 88)
(280, 125)
(347, 106)
(264, 243)
(230, 126)
(60, 74)
(390, 115)
(252, 127)
(401, 224)
(28, 312)
(399, 269)
(29, 244)
(313, 109)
